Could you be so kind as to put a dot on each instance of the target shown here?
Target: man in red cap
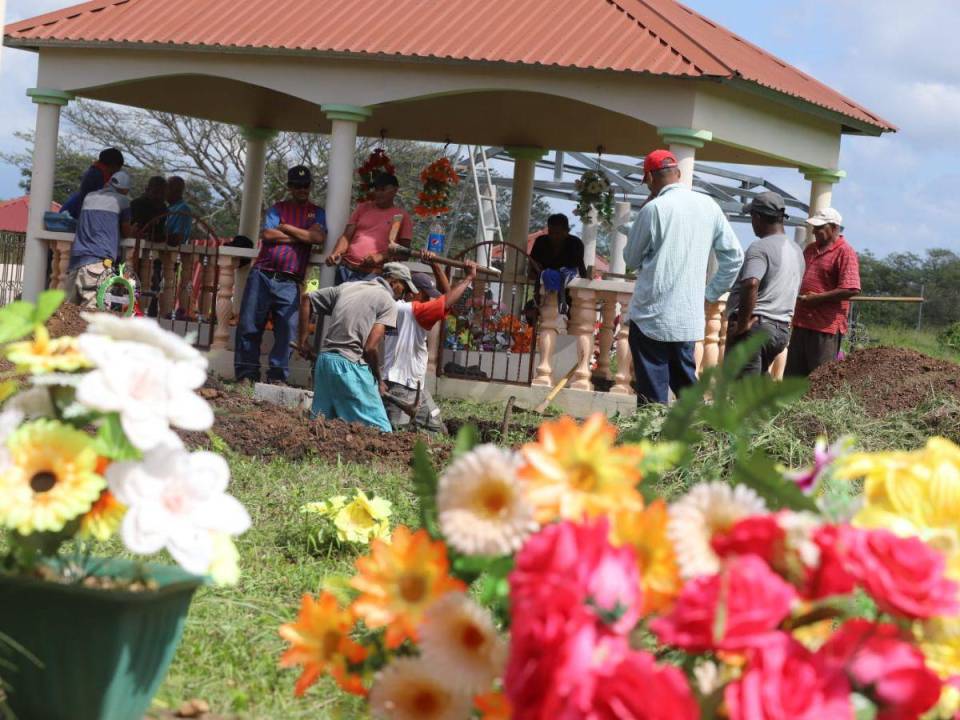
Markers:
(669, 248)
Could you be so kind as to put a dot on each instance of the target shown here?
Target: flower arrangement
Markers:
(377, 163)
(87, 447)
(359, 520)
(549, 583)
(438, 179)
(485, 325)
(594, 192)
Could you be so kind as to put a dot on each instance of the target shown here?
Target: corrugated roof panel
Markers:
(659, 37)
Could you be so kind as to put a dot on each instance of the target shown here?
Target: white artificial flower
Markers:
(408, 689)
(695, 518)
(147, 332)
(10, 420)
(798, 528)
(33, 403)
(148, 391)
(481, 506)
(459, 641)
(177, 500)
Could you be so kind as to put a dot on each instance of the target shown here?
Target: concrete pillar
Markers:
(621, 216)
(48, 104)
(340, 169)
(524, 169)
(251, 202)
(684, 143)
(591, 228)
(821, 189)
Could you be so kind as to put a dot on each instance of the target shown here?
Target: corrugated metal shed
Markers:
(658, 37)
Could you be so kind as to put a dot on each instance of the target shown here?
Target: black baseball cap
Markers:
(382, 180)
(425, 283)
(299, 175)
(768, 204)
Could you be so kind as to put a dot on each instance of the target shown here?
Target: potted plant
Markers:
(594, 193)
(87, 450)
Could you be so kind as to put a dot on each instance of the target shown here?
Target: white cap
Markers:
(120, 180)
(827, 216)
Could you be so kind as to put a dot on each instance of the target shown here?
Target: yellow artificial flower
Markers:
(225, 564)
(325, 508)
(912, 493)
(939, 639)
(645, 531)
(399, 580)
(575, 471)
(103, 519)
(43, 355)
(363, 519)
(51, 477)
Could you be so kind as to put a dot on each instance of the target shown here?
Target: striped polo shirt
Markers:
(289, 257)
(98, 230)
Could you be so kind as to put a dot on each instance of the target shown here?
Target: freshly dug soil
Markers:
(66, 321)
(887, 379)
(263, 430)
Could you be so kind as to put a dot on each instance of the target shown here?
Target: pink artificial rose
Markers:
(905, 576)
(831, 576)
(880, 664)
(735, 609)
(785, 681)
(758, 535)
(637, 689)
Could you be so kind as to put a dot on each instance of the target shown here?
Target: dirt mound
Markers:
(887, 379)
(66, 321)
(263, 430)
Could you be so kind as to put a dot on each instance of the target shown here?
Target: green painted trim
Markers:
(47, 96)
(824, 175)
(255, 133)
(518, 152)
(350, 113)
(685, 136)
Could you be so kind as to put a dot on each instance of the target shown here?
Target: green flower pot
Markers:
(102, 653)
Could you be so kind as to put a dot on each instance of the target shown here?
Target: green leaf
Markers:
(16, 321)
(757, 470)
(425, 485)
(751, 401)
(467, 439)
(684, 413)
(8, 388)
(111, 442)
(47, 305)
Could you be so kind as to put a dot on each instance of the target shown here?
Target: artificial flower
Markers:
(149, 392)
(225, 562)
(708, 508)
(103, 519)
(759, 535)
(939, 639)
(492, 706)
(399, 580)
(824, 457)
(176, 500)
(43, 355)
(325, 508)
(572, 470)
(882, 666)
(830, 576)
(481, 506)
(736, 609)
(147, 331)
(645, 532)
(459, 640)
(666, 694)
(320, 643)
(408, 689)
(363, 519)
(10, 419)
(785, 681)
(50, 478)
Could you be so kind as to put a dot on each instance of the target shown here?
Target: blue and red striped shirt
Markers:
(289, 257)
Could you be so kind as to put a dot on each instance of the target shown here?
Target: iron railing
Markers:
(11, 266)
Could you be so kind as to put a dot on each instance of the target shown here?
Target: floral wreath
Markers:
(438, 179)
(378, 163)
(594, 192)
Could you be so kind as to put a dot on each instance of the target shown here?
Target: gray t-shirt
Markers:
(354, 308)
(777, 262)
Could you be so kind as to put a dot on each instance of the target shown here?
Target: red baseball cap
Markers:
(659, 160)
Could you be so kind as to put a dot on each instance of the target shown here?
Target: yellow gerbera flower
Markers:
(320, 642)
(51, 478)
(572, 470)
(104, 518)
(43, 355)
(646, 532)
(363, 519)
(399, 580)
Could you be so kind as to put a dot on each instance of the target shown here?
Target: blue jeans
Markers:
(345, 275)
(659, 366)
(347, 390)
(265, 296)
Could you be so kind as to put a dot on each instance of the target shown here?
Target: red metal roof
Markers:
(659, 37)
(14, 213)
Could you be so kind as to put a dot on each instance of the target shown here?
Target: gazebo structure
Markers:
(530, 76)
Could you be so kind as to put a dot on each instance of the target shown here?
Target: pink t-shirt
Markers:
(373, 230)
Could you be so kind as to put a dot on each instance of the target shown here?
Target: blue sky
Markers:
(902, 192)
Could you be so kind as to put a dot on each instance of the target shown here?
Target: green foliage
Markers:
(936, 274)
(111, 442)
(425, 485)
(949, 337)
(20, 318)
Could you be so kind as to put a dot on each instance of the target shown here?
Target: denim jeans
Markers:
(660, 366)
(264, 297)
(345, 275)
(778, 333)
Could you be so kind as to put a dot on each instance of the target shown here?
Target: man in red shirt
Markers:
(831, 278)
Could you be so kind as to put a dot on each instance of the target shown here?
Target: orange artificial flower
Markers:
(103, 519)
(493, 706)
(399, 580)
(575, 471)
(320, 642)
(646, 532)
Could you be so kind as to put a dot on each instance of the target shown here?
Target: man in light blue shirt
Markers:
(669, 247)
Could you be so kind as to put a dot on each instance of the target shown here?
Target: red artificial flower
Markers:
(785, 681)
(883, 667)
(736, 609)
(831, 576)
(759, 535)
(636, 688)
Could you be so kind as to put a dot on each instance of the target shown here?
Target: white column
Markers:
(521, 197)
(684, 143)
(340, 168)
(621, 216)
(48, 104)
(591, 228)
(251, 202)
(821, 189)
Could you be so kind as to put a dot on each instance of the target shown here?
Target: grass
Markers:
(923, 340)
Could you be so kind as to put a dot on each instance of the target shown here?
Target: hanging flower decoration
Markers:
(438, 179)
(594, 192)
(377, 164)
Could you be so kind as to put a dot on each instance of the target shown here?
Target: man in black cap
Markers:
(764, 296)
(291, 230)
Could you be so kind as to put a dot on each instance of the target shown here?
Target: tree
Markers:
(936, 276)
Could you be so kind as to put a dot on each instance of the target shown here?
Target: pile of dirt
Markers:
(66, 321)
(887, 379)
(264, 430)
